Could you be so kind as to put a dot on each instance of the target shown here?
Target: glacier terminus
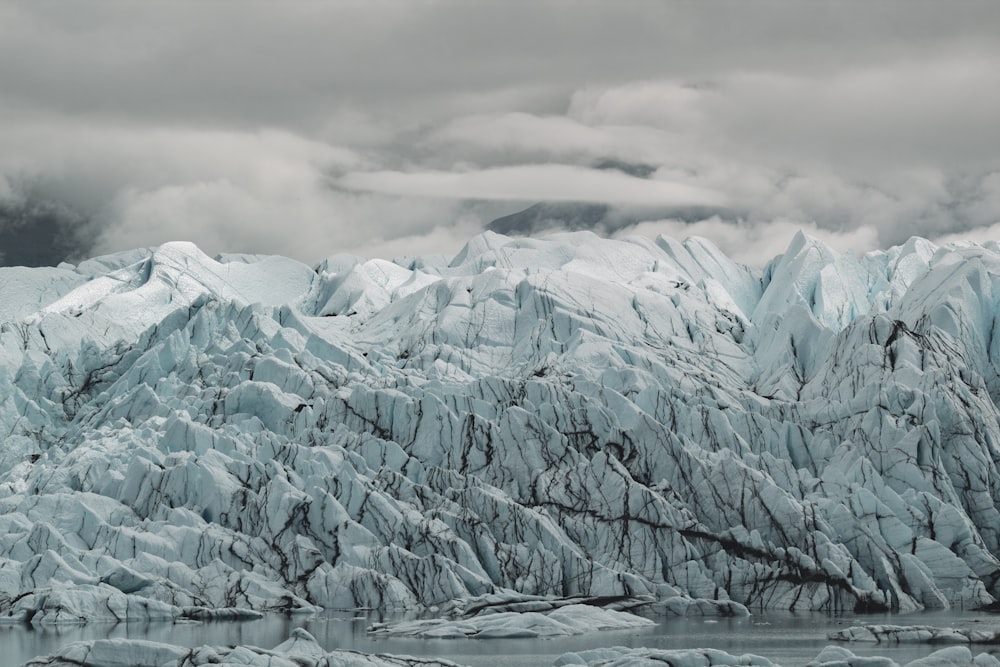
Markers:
(527, 427)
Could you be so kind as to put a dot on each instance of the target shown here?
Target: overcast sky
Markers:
(396, 128)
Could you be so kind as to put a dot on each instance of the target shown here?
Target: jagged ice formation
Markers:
(184, 435)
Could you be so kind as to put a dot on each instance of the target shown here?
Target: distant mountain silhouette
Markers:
(37, 234)
(549, 216)
(601, 218)
(552, 216)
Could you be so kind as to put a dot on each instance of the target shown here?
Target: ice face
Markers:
(550, 417)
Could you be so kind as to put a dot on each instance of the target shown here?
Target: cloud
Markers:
(520, 137)
(977, 235)
(310, 128)
(548, 182)
(983, 210)
(305, 219)
(265, 191)
(917, 112)
(901, 146)
(443, 240)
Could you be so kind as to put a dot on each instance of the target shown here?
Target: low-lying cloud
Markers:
(547, 182)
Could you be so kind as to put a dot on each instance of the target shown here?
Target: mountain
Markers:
(551, 216)
(548, 217)
(44, 233)
(605, 218)
(193, 437)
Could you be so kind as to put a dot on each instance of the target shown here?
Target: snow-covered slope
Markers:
(556, 417)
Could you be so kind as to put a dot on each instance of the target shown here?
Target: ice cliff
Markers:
(185, 436)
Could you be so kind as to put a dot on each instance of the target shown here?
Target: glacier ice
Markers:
(831, 656)
(914, 634)
(573, 619)
(550, 418)
(953, 656)
(300, 650)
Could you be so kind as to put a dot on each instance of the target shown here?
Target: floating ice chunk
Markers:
(914, 634)
(647, 657)
(300, 650)
(562, 621)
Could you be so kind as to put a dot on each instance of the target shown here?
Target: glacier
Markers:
(534, 419)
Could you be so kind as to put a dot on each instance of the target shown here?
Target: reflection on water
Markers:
(789, 639)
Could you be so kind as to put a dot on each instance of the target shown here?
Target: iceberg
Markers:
(562, 621)
(299, 650)
(302, 650)
(914, 634)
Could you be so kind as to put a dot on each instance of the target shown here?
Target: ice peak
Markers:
(802, 243)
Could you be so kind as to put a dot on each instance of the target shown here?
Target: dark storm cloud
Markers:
(364, 126)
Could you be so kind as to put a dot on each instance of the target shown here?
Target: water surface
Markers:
(788, 639)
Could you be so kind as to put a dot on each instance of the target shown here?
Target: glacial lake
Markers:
(788, 639)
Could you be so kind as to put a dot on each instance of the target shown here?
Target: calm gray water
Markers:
(789, 639)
